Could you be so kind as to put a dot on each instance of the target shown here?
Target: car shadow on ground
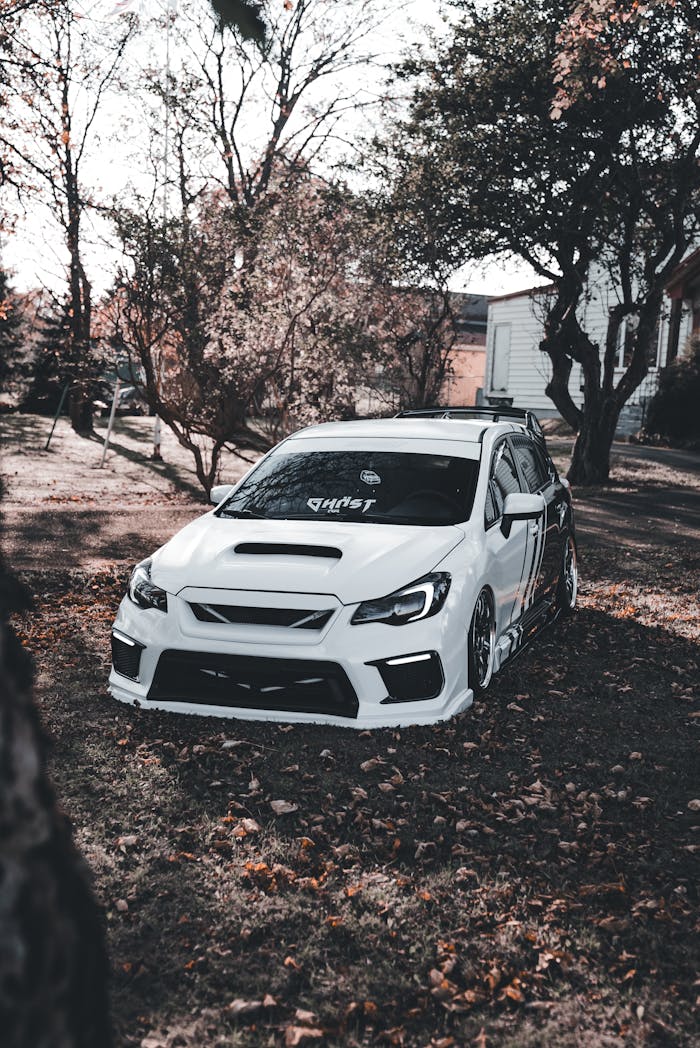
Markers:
(551, 819)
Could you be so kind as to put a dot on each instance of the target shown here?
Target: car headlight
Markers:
(143, 592)
(421, 599)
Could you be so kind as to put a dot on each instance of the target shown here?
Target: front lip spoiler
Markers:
(385, 717)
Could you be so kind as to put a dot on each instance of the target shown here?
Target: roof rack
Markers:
(496, 414)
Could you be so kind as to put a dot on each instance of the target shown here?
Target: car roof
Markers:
(469, 430)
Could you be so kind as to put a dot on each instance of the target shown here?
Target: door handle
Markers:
(534, 529)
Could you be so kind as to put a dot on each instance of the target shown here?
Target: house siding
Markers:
(530, 369)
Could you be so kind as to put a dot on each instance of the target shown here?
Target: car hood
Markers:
(374, 560)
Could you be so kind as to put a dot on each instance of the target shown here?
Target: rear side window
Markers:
(503, 481)
(531, 462)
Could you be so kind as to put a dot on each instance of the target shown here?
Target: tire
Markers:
(481, 643)
(567, 587)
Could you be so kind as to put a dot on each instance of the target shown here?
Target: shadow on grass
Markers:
(551, 819)
(176, 475)
(29, 432)
(55, 535)
(631, 518)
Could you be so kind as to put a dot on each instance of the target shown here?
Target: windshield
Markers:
(383, 487)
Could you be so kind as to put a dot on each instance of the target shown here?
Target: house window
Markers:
(501, 358)
(625, 342)
(658, 352)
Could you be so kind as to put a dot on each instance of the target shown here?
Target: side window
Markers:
(532, 463)
(503, 480)
(492, 514)
(548, 467)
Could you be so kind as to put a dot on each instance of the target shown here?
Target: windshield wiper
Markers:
(423, 522)
(243, 513)
(354, 518)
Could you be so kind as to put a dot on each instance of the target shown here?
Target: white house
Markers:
(516, 369)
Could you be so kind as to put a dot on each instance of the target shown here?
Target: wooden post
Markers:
(111, 422)
(156, 456)
(58, 412)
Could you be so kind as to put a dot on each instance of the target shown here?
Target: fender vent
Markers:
(286, 549)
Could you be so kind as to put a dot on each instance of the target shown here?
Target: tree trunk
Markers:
(590, 462)
(80, 313)
(53, 966)
(80, 411)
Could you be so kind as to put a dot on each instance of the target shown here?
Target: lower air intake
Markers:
(126, 657)
(287, 685)
(411, 678)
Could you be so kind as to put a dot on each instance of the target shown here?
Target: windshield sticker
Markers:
(368, 476)
(335, 505)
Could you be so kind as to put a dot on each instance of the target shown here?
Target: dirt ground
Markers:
(525, 875)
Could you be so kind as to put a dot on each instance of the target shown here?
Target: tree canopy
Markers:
(582, 162)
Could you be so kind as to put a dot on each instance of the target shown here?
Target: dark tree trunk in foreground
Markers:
(53, 966)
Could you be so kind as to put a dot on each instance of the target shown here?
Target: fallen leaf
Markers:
(303, 1016)
(283, 807)
(373, 762)
(130, 841)
(241, 1007)
(294, 1035)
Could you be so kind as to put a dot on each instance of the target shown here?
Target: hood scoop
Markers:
(287, 549)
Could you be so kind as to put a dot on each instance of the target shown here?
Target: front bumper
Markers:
(372, 675)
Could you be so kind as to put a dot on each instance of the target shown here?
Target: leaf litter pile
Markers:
(525, 874)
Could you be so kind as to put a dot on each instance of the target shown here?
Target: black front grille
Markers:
(297, 618)
(126, 657)
(290, 685)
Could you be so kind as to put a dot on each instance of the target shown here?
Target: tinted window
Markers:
(504, 480)
(492, 513)
(531, 463)
(362, 486)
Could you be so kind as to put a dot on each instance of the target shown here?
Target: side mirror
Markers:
(521, 506)
(219, 492)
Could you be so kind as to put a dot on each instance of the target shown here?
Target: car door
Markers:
(506, 554)
(543, 558)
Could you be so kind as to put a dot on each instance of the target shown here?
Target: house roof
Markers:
(471, 311)
(687, 271)
(526, 292)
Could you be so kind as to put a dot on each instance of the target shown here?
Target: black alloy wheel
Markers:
(481, 643)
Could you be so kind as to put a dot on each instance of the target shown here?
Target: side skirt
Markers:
(519, 634)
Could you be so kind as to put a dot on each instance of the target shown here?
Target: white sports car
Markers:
(373, 573)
